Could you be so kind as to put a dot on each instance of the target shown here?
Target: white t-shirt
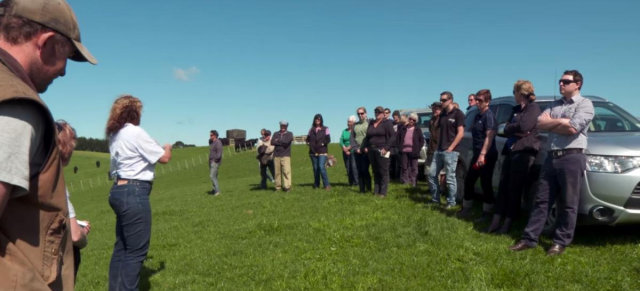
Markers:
(72, 211)
(134, 153)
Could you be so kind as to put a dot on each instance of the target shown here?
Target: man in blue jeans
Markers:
(446, 156)
(215, 158)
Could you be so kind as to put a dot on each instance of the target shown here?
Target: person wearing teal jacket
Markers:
(348, 151)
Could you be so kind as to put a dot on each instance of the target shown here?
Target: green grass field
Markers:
(249, 239)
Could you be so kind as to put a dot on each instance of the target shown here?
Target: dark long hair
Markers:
(313, 123)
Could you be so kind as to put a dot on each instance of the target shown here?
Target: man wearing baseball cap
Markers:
(36, 39)
(282, 156)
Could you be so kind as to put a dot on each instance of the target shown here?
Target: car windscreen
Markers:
(424, 117)
(608, 118)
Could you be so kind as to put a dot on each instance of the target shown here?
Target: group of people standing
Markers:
(365, 143)
(567, 122)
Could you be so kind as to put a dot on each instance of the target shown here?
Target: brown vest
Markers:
(35, 241)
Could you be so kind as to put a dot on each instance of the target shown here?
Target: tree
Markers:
(178, 144)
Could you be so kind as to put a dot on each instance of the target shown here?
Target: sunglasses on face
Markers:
(378, 112)
(565, 82)
(443, 100)
(480, 100)
(360, 113)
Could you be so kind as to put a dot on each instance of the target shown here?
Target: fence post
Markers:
(82, 185)
(186, 165)
(193, 161)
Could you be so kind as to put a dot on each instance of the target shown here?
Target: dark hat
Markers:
(57, 15)
(435, 104)
(379, 109)
(267, 132)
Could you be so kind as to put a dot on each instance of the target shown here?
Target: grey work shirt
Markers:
(580, 112)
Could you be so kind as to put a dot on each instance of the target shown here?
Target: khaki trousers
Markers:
(283, 172)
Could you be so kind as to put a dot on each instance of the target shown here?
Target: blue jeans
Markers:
(130, 203)
(213, 174)
(319, 170)
(447, 161)
(350, 165)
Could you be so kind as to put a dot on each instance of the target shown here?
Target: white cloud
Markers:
(185, 74)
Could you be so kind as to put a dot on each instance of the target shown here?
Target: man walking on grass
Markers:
(282, 156)
(36, 39)
(446, 156)
(567, 121)
(215, 158)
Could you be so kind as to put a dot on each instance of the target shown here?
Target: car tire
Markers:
(460, 176)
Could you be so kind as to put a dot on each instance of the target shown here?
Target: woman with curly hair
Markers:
(133, 157)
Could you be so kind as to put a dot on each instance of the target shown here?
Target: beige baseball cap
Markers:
(57, 15)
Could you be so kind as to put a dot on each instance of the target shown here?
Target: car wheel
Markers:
(552, 221)
(460, 175)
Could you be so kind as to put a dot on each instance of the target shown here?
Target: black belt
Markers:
(134, 181)
(560, 153)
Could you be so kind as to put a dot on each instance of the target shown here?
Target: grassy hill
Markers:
(249, 239)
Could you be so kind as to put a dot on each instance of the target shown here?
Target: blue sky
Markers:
(202, 65)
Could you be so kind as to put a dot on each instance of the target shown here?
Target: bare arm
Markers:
(167, 154)
(5, 192)
(457, 140)
(78, 236)
(487, 141)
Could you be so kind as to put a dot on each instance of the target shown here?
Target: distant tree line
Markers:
(179, 145)
(92, 145)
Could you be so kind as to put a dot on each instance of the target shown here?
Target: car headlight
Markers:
(609, 164)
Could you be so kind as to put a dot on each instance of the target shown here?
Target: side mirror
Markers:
(500, 131)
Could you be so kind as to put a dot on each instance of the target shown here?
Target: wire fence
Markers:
(75, 186)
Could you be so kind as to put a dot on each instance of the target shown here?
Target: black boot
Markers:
(486, 216)
(495, 224)
(464, 213)
(506, 226)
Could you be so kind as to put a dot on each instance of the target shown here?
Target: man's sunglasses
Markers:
(565, 82)
(444, 100)
(360, 113)
(480, 100)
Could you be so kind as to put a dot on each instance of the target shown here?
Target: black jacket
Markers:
(282, 143)
(318, 140)
(418, 141)
(381, 137)
(524, 123)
